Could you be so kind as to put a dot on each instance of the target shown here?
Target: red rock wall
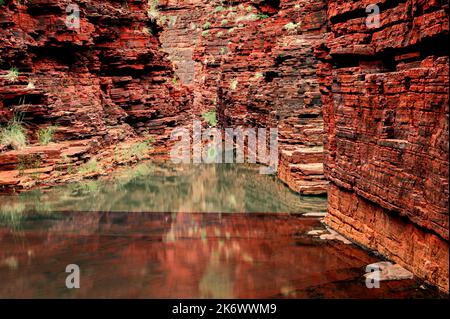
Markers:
(385, 95)
(255, 71)
(100, 84)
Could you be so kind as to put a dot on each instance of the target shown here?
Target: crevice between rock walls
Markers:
(253, 63)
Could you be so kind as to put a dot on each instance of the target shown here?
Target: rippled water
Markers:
(160, 231)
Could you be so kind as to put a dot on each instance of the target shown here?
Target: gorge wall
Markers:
(364, 109)
(385, 94)
(253, 63)
(103, 83)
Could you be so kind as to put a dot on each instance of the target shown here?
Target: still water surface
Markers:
(160, 231)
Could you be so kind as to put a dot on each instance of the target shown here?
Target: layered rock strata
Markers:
(253, 63)
(98, 83)
(385, 93)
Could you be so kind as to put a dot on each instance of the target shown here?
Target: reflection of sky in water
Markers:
(166, 187)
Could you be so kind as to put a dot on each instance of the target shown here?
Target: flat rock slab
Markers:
(387, 271)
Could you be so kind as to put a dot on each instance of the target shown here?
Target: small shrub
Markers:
(210, 118)
(45, 135)
(262, 16)
(139, 150)
(89, 167)
(205, 33)
(14, 135)
(290, 26)
(12, 75)
(219, 9)
(28, 162)
(207, 25)
(152, 10)
(146, 31)
(258, 75)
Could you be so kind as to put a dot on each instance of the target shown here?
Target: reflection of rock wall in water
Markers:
(132, 255)
(169, 188)
(385, 95)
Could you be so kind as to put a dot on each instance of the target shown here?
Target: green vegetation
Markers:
(205, 33)
(134, 151)
(258, 75)
(28, 162)
(12, 75)
(210, 118)
(45, 135)
(262, 16)
(147, 31)
(89, 167)
(290, 26)
(219, 9)
(139, 150)
(14, 135)
(207, 25)
(152, 10)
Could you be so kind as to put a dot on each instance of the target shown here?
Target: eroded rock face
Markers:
(253, 63)
(385, 95)
(99, 84)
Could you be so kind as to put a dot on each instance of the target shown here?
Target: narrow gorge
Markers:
(359, 97)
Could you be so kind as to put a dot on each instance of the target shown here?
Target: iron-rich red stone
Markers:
(104, 83)
(385, 96)
(253, 62)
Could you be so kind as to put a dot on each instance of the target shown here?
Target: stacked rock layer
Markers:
(385, 86)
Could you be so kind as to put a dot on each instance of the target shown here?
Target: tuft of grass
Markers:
(14, 134)
(45, 135)
(207, 25)
(205, 33)
(210, 118)
(12, 75)
(290, 26)
(152, 10)
(146, 31)
(234, 84)
(262, 16)
(89, 167)
(258, 75)
(218, 9)
(139, 150)
(135, 151)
